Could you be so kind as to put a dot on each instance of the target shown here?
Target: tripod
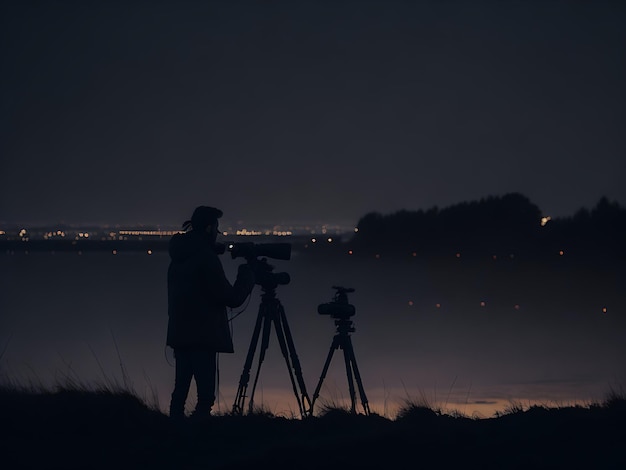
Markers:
(272, 311)
(342, 341)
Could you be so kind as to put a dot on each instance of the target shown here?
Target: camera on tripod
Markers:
(270, 311)
(262, 269)
(339, 308)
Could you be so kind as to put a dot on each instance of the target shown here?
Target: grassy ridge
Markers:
(79, 428)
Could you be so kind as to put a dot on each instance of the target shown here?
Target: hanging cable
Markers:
(242, 310)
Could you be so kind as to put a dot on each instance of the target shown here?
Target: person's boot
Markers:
(177, 412)
(201, 413)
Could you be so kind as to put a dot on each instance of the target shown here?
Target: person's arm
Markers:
(220, 287)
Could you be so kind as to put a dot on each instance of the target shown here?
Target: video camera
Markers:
(339, 308)
(262, 269)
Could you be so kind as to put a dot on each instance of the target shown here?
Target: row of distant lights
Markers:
(277, 233)
(457, 255)
(483, 304)
(147, 233)
(79, 252)
(544, 221)
(242, 232)
(329, 240)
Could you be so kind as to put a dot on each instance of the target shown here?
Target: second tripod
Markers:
(341, 311)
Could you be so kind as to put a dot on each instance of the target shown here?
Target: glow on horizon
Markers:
(385, 402)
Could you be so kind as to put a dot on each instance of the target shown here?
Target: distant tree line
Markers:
(497, 225)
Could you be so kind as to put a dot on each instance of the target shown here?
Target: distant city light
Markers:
(482, 303)
(561, 252)
(246, 232)
(356, 229)
(114, 252)
(149, 252)
(458, 255)
(604, 310)
(545, 220)
(410, 303)
(350, 252)
(438, 305)
(313, 240)
(330, 240)
(516, 307)
(149, 233)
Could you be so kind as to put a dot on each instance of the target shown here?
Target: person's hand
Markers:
(246, 273)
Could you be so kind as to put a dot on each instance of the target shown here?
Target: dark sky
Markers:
(282, 111)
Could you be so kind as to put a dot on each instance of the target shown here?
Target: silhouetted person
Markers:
(198, 294)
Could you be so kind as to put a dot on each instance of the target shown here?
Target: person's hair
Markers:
(203, 217)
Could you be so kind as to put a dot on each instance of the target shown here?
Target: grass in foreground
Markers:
(113, 428)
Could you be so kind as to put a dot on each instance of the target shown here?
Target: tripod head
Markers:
(264, 276)
(339, 308)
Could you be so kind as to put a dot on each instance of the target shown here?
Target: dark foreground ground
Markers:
(72, 429)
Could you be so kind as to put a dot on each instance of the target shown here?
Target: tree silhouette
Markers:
(495, 225)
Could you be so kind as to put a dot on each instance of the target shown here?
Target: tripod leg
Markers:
(306, 402)
(364, 402)
(265, 339)
(245, 375)
(348, 361)
(280, 333)
(334, 345)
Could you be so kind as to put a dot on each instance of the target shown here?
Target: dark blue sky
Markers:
(279, 112)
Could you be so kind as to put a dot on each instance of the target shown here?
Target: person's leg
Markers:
(204, 373)
(184, 372)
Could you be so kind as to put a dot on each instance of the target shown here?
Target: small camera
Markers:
(339, 308)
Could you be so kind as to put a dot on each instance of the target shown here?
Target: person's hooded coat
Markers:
(199, 292)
